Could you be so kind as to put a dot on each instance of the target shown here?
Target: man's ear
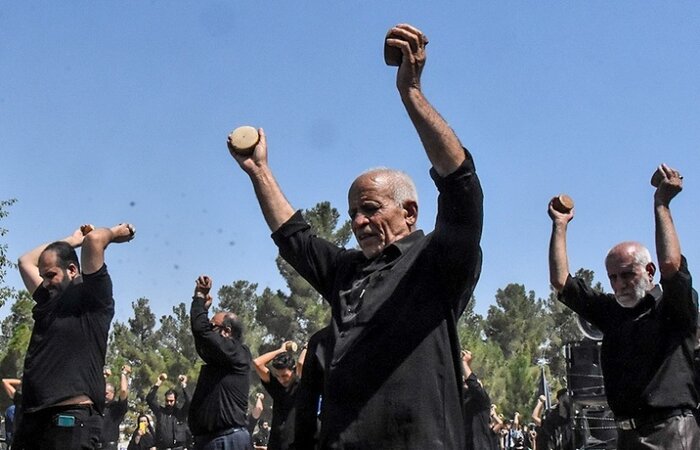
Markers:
(72, 270)
(410, 211)
(651, 270)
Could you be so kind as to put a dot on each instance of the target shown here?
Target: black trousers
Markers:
(59, 428)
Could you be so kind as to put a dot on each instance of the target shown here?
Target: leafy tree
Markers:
(517, 322)
(16, 330)
(5, 291)
(143, 322)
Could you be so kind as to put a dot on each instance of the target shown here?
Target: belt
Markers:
(652, 418)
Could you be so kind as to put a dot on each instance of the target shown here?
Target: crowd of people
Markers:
(386, 372)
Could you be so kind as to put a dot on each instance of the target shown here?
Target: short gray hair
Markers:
(400, 183)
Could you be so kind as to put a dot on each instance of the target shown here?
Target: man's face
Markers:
(284, 376)
(265, 425)
(630, 281)
(109, 393)
(170, 400)
(55, 279)
(377, 221)
(217, 324)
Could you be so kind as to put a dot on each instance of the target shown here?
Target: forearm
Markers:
(441, 144)
(274, 205)
(28, 263)
(558, 258)
(668, 247)
(123, 386)
(537, 412)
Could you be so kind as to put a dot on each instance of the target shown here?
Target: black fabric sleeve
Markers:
(458, 229)
(314, 258)
(211, 346)
(680, 301)
(151, 401)
(98, 289)
(587, 303)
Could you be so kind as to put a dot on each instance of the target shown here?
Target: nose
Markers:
(359, 221)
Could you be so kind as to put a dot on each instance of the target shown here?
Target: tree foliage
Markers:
(6, 292)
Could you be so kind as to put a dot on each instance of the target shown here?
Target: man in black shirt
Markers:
(310, 392)
(63, 387)
(477, 410)
(394, 379)
(115, 410)
(648, 333)
(282, 386)
(218, 415)
(171, 419)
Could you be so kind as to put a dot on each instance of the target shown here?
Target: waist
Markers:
(76, 400)
(219, 433)
(650, 418)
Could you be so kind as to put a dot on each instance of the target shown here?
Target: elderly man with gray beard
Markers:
(648, 330)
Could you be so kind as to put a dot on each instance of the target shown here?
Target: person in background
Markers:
(144, 437)
(171, 418)
(115, 410)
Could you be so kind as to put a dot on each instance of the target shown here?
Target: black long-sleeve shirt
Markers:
(647, 351)
(394, 378)
(220, 400)
(171, 422)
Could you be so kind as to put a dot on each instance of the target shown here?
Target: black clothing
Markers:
(262, 437)
(283, 413)
(310, 392)
(113, 416)
(70, 427)
(647, 351)
(220, 399)
(394, 379)
(146, 442)
(171, 426)
(477, 416)
(67, 349)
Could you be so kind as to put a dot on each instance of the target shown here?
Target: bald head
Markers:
(228, 325)
(630, 271)
(400, 185)
(383, 207)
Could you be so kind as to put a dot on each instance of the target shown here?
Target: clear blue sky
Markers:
(118, 111)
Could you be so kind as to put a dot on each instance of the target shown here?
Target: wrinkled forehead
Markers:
(218, 318)
(369, 184)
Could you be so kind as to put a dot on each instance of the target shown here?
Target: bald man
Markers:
(393, 379)
(218, 412)
(648, 330)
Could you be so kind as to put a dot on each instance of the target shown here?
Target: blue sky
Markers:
(119, 111)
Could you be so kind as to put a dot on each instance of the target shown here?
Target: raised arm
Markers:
(274, 205)
(95, 243)
(466, 363)
(261, 362)
(537, 412)
(558, 258)
(151, 397)
(439, 140)
(668, 247)
(124, 382)
(28, 263)
(11, 385)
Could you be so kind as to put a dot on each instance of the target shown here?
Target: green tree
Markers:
(518, 322)
(6, 292)
(143, 322)
(16, 330)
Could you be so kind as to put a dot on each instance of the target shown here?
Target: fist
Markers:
(126, 369)
(260, 395)
(107, 372)
(162, 377)
(182, 379)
